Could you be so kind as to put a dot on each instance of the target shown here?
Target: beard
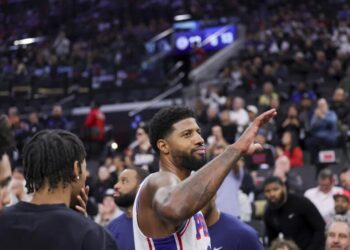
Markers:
(125, 200)
(189, 161)
(340, 210)
(278, 204)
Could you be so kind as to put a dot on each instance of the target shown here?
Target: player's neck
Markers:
(167, 165)
(58, 195)
(213, 217)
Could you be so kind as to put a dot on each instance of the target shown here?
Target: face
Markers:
(292, 112)
(216, 131)
(108, 203)
(57, 111)
(126, 188)
(5, 178)
(339, 95)
(186, 145)
(274, 193)
(345, 180)
(286, 138)
(325, 185)
(141, 135)
(341, 205)
(338, 237)
(103, 173)
(322, 105)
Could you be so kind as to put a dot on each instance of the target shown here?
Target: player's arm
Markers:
(177, 201)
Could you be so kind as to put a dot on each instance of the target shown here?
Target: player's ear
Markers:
(163, 146)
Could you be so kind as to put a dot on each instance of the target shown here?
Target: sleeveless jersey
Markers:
(193, 235)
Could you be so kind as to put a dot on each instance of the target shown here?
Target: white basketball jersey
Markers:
(193, 236)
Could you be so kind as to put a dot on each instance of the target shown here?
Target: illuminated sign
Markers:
(212, 38)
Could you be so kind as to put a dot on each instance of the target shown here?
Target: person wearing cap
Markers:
(107, 210)
(322, 195)
(341, 205)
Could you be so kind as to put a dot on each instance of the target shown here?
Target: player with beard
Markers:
(125, 192)
(167, 214)
(292, 217)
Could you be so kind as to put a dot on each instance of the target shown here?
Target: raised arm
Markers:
(176, 201)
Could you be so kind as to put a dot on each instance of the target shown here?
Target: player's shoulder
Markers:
(160, 179)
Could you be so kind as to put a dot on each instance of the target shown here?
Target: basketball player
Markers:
(167, 207)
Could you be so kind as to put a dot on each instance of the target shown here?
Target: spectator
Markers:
(34, 124)
(280, 244)
(94, 125)
(322, 196)
(293, 181)
(239, 115)
(324, 132)
(268, 96)
(125, 193)
(229, 129)
(264, 158)
(141, 155)
(291, 149)
(57, 120)
(338, 234)
(292, 217)
(292, 122)
(104, 182)
(107, 210)
(302, 92)
(345, 178)
(341, 205)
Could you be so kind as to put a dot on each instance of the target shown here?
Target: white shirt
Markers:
(323, 201)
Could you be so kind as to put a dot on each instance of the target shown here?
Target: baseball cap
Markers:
(343, 193)
(252, 108)
(109, 192)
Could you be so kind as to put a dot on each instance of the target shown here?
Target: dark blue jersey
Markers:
(121, 230)
(229, 233)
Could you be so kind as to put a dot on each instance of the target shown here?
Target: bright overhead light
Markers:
(182, 17)
(27, 41)
(114, 145)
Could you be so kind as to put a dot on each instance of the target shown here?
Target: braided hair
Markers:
(48, 158)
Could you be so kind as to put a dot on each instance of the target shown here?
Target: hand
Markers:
(82, 200)
(245, 144)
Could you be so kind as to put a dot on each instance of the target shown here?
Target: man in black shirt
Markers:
(55, 171)
(292, 217)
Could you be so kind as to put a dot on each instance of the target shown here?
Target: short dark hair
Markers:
(141, 173)
(49, 158)
(273, 179)
(162, 122)
(7, 139)
(325, 174)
